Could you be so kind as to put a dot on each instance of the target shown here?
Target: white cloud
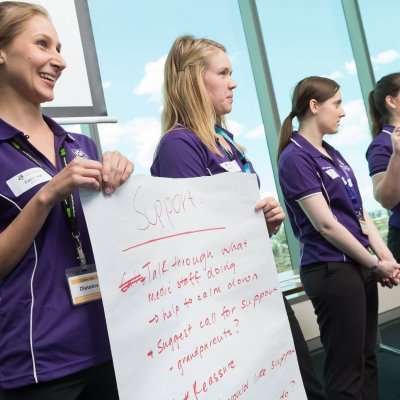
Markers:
(386, 57)
(351, 67)
(256, 133)
(106, 85)
(235, 127)
(137, 139)
(353, 127)
(151, 83)
(335, 75)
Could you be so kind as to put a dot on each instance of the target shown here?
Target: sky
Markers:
(302, 38)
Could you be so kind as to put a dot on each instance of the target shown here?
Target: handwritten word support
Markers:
(190, 291)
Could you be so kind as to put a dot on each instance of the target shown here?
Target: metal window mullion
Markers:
(267, 102)
(359, 46)
(92, 131)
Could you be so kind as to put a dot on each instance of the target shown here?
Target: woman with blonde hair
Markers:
(50, 347)
(198, 93)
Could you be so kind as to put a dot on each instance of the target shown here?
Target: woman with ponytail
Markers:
(198, 93)
(383, 154)
(338, 272)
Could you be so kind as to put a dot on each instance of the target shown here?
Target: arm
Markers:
(386, 184)
(380, 249)
(322, 219)
(16, 239)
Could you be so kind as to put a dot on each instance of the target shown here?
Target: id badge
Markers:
(363, 224)
(83, 284)
(332, 173)
(231, 166)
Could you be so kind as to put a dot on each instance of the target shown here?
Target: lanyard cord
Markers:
(242, 157)
(348, 184)
(68, 203)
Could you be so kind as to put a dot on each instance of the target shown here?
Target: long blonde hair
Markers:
(14, 16)
(186, 100)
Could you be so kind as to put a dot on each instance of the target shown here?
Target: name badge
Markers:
(332, 173)
(231, 166)
(26, 180)
(83, 284)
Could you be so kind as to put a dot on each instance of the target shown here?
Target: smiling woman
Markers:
(42, 227)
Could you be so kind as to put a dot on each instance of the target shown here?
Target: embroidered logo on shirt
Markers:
(343, 165)
(80, 153)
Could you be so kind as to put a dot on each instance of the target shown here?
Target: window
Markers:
(311, 38)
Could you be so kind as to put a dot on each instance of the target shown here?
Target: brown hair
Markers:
(380, 114)
(14, 15)
(313, 87)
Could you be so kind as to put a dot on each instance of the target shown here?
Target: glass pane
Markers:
(381, 30)
(132, 42)
(380, 26)
(313, 40)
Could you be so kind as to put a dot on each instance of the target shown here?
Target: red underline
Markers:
(171, 236)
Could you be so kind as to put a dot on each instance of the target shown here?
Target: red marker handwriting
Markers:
(124, 286)
(226, 312)
(154, 319)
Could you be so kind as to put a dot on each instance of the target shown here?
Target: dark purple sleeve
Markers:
(298, 177)
(180, 155)
(378, 155)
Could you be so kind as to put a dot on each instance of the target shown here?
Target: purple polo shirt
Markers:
(303, 172)
(42, 336)
(181, 154)
(378, 155)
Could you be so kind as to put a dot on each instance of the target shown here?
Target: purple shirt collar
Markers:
(303, 143)
(386, 128)
(7, 131)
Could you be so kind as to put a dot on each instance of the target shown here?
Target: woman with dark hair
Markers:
(383, 154)
(198, 93)
(338, 272)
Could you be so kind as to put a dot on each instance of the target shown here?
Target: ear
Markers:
(390, 102)
(1, 57)
(313, 104)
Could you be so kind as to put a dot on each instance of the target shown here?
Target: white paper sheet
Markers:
(190, 290)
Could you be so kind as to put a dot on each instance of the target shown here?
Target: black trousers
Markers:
(393, 241)
(345, 299)
(91, 384)
(312, 386)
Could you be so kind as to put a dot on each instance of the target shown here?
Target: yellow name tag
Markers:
(83, 284)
